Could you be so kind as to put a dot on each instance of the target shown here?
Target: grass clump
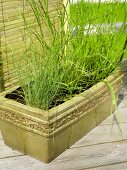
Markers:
(70, 62)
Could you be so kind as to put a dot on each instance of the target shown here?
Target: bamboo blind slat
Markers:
(11, 32)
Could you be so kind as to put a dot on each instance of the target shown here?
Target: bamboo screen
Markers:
(11, 29)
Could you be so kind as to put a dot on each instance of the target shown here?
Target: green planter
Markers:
(46, 134)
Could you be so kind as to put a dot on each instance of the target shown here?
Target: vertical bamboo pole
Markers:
(67, 7)
(1, 71)
(66, 17)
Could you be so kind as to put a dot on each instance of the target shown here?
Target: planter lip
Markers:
(56, 111)
(46, 123)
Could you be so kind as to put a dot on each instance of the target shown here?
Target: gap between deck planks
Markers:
(88, 157)
(117, 166)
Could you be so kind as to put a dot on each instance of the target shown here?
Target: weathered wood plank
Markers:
(120, 166)
(22, 163)
(6, 152)
(83, 158)
(93, 156)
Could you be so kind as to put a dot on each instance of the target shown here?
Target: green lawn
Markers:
(94, 13)
(98, 12)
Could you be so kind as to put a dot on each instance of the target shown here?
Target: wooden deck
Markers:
(104, 148)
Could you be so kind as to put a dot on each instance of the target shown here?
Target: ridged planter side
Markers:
(46, 134)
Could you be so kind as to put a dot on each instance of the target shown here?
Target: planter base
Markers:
(47, 146)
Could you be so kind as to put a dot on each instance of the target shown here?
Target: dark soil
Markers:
(17, 95)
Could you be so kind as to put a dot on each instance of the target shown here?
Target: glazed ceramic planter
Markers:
(46, 134)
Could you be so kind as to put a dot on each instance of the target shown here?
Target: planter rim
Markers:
(47, 123)
(74, 100)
